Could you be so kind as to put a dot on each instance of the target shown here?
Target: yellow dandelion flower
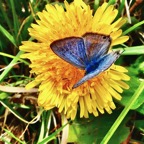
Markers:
(56, 77)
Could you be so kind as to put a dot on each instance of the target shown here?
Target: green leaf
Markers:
(134, 84)
(139, 124)
(92, 130)
(3, 95)
(123, 114)
(141, 109)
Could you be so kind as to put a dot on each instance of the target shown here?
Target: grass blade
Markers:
(8, 35)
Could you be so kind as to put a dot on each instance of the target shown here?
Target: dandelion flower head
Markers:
(56, 77)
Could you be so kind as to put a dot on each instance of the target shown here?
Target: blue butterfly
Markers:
(89, 53)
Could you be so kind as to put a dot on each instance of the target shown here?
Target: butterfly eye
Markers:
(104, 37)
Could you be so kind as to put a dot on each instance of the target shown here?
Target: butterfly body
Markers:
(89, 53)
(92, 66)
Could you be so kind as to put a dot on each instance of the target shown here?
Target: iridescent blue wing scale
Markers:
(72, 50)
(96, 45)
(104, 63)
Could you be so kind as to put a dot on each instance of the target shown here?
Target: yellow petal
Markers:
(120, 40)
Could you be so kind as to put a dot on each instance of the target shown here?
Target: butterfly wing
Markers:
(105, 62)
(96, 45)
(72, 50)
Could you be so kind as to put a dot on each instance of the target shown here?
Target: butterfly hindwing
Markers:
(96, 45)
(107, 60)
(104, 63)
(72, 50)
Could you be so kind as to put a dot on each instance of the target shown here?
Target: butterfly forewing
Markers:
(72, 50)
(96, 45)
